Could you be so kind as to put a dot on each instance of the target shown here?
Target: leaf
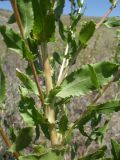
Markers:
(12, 39)
(105, 108)
(11, 19)
(2, 85)
(112, 22)
(15, 42)
(63, 124)
(58, 8)
(28, 83)
(29, 157)
(48, 156)
(57, 58)
(115, 149)
(86, 32)
(23, 140)
(26, 14)
(94, 78)
(96, 155)
(44, 20)
(79, 82)
(112, 2)
(32, 116)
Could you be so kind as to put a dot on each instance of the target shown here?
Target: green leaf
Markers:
(2, 86)
(48, 156)
(86, 32)
(58, 8)
(112, 22)
(26, 14)
(27, 81)
(112, 2)
(12, 39)
(29, 157)
(44, 20)
(23, 140)
(105, 108)
(115, 149)
(32, 116)
(96, 155)
(63, 124)
(57, 58)
(94, 78)
(79, 82)
(15, 42)
(11, 19)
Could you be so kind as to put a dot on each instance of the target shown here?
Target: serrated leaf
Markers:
(58, 8)
(26, 14)
(48, 156)
(12, 19)
(12, 39)
(115, 149)
(79, 82)
(2, 85)
(15, 42)
(86, 32)
(27, 81)
(96, 155)
(112, 22)
(112, 2)
(29, 157)
(23, 140)
(94, 78)
(32, 116)
(105, 108)
(44, 20)
(63, 124)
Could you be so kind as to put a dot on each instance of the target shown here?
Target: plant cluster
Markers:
(49, 81)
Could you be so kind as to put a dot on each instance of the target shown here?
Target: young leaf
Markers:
(32, 116)
(86, 32)
(23, 140)
(28, 83)
(115, 149)
(44, 20)
(94, 77)
(12, 39)
(79, 82)
(112, 22)
(48, 156)
(96, 155)
(2, 86)
(26, 14)
(15, 42)
(11, 19)
(105, 108)
(58, 8)
(63, 124)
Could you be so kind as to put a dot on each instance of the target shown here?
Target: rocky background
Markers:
(101, 47)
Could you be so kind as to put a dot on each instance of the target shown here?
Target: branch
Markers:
(19, 22)
(7, 141)
(63, 65)
(106, 14)
(98, 25)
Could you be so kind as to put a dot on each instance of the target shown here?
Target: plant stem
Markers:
(19, 23)
(7, 141)
(62, 66)
(106, 14)
(49, 110)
